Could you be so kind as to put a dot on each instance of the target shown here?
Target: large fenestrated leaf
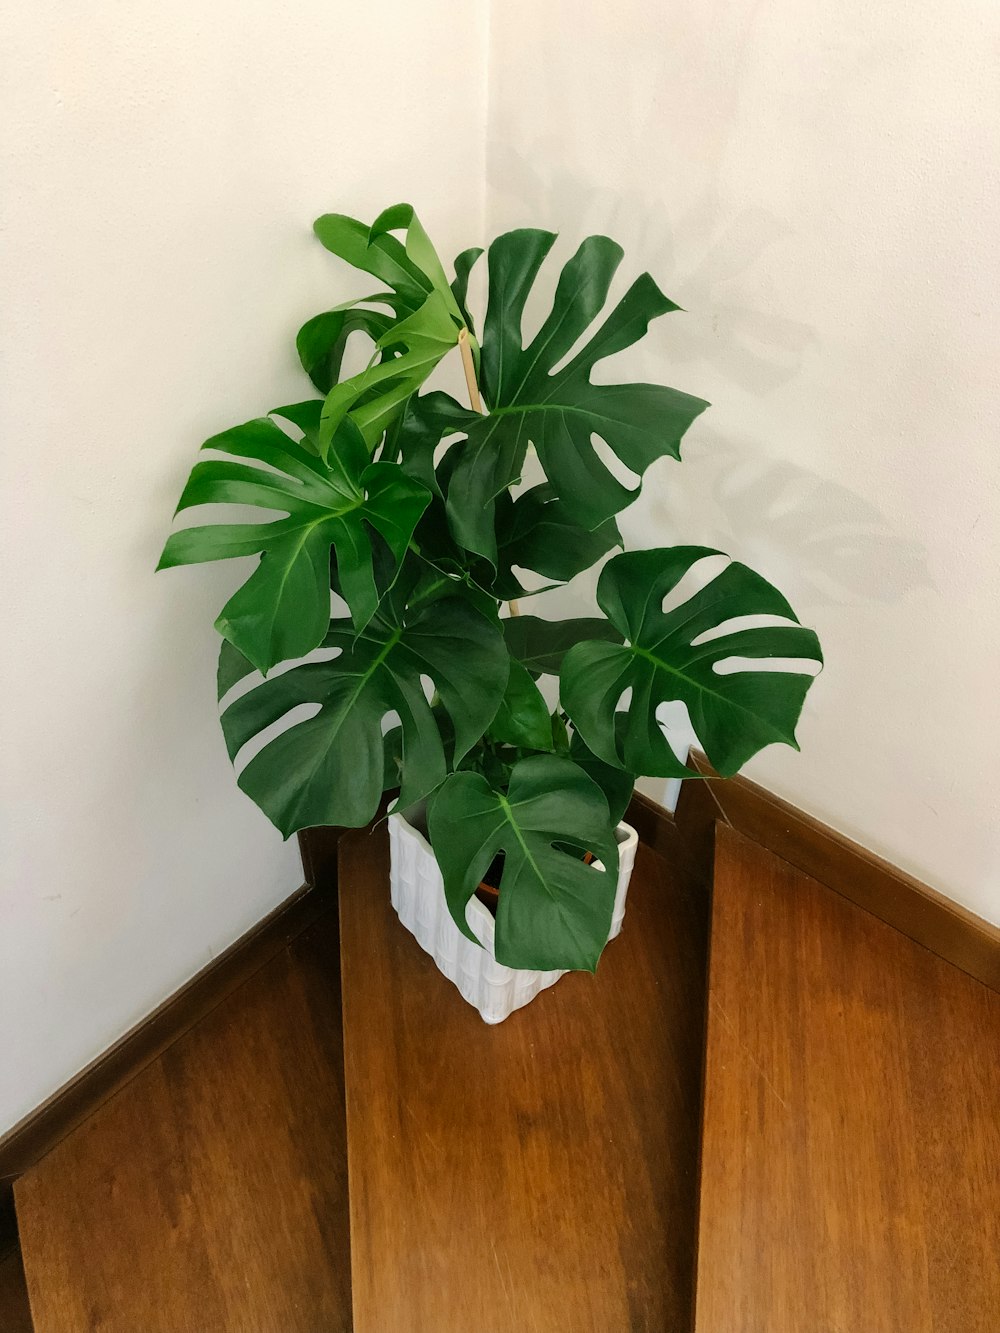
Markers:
(560, 410)
(282, 611)
(329, 768)
(677, 655)
(554, 910)
(426, 323)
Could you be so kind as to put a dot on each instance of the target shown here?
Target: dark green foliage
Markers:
(408, 506)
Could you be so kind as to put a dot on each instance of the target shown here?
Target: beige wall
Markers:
(161, 167)
(816, 182)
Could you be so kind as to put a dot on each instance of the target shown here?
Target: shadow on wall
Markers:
(768, 511)
(748, 345)
(845, 550)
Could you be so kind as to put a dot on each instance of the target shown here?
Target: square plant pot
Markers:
(417, 892)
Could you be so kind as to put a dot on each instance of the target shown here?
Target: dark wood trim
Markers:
(947, 929)
(318, 849)
(30, 1139)
(8, 1220)
(912, 907)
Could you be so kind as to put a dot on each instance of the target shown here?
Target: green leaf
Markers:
(540, 532)
(383, 256)
(554, 910)
(616, 783)
(464, 265)
(417, 247)
(321, 341)
(303, 415)
(426, 419)
(560, 736)
(560, 410)
(282, 611)
(329, 768)
(540, 645)
(378, 394)
(523, 716)
(233, 667)
(670, 656)
(425, 324)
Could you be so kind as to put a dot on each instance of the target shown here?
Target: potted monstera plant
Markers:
(514, 741)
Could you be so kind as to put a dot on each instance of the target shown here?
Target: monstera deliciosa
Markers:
(397, 526)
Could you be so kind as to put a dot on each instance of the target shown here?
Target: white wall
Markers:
(161, 169)
(815, 181)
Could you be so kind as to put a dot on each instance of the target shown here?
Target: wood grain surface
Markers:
(210, 1193)
(535, 1176)
(851, 1143)
(23, 1145)
(919, 911)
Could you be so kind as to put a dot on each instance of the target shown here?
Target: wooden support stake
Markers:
(469, 366)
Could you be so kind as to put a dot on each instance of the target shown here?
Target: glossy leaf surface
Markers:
(532, 398)
(329, 768)
(282, 611)
(426, 324)
(540, 645)
(554, 911)
(677, 655)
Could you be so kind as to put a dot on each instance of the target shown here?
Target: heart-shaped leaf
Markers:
(534, 400)
(682, 654)
(283, 610)
(329, 768)
(554, 910)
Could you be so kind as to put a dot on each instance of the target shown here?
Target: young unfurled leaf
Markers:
(426, 322)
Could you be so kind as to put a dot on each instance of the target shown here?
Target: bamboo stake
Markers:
(469, 366)
(475, 402)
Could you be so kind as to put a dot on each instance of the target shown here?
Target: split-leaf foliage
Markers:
(397, 526)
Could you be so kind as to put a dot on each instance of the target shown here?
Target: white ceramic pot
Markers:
(418, 898)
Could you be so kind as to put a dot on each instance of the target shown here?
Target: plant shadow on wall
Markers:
(743, 341)
(407, 505)
(845, 550)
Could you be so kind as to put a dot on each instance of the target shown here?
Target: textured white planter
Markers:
(418, 897)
